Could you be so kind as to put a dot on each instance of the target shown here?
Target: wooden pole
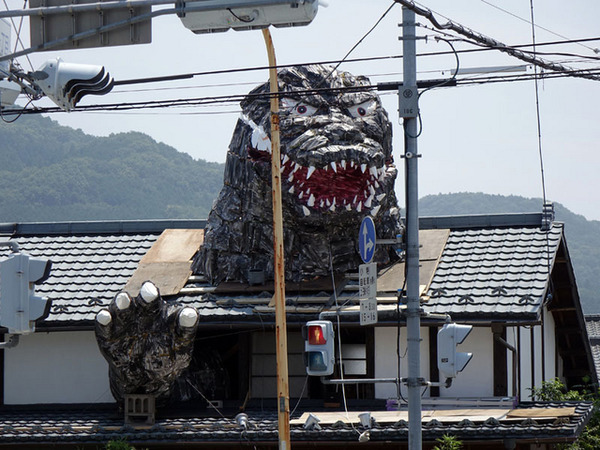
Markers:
(283, 397)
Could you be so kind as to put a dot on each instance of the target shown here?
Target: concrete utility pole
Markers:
(408, 100)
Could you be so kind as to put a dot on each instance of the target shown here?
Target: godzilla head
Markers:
(336, 168)
(335, 144)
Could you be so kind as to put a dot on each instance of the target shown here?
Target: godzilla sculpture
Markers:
(337, 167)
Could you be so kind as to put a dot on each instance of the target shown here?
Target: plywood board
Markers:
(168, 262)
(542, 412)
(168, 277)
(432, 244)
(443, 415)
(175, 245)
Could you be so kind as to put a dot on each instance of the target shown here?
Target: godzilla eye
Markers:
(297, 108)
(363, 109)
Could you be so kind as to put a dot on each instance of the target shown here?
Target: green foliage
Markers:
(555, 390)
(582, 235)
(120, 444)
(447, 442)
(54, 173)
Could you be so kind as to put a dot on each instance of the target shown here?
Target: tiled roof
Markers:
(592, 324)
(492, 267)
(81, 426)
(91, 261)
(499, 272)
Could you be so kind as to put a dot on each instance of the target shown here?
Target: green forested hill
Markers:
(49, 172)
(583, 236)
(53, 173)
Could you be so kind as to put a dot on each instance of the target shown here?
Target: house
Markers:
(509, 276)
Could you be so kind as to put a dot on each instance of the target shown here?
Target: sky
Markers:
(475, 138)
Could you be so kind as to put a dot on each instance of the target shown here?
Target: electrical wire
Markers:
(491, 43)
(361, 39)
(595, 50)
(339, 336)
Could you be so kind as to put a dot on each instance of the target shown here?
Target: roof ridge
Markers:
(98, 227)
(531, 219)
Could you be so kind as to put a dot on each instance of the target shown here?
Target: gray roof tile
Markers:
(84, 426)
(488, 273)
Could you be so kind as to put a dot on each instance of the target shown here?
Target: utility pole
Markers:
(409, 110)
(283, 396)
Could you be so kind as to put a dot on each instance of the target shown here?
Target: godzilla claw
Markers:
(146, 341)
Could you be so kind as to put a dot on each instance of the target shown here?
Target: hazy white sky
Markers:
(476, 138)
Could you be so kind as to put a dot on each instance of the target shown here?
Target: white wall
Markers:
(386, 365)
(549, 352)
(59, 367)
(476, 380)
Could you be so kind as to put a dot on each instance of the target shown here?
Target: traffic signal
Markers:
(450, 362)
(319, 349)
(211, 17)
(66, 83)
(19, 306)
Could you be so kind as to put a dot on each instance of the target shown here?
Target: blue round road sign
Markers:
(366, 239)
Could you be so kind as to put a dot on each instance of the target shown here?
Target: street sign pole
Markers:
(409, 111)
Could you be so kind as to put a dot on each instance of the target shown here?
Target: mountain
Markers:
(582, 235)
(49, 173)
(53, 173)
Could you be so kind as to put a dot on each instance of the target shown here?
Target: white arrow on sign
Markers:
(368, 243)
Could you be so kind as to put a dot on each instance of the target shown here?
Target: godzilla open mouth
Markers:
(337, 186)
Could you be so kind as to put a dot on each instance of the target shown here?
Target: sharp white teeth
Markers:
(305, 210)
(281, 168)
(308, 191)
(291, 190)
(300, 195)
(333, 166)
(373, 171)
(322, 203)
(328, 202)
(375, 210)
(380, 197)
(343, 164)
(368, 202)
(351, 164)
(296, 167)
(359, 207)
(371, 189)
(348, 207)
(291, 177)
(285, 160)
(355, 197)
(332, 209)
(325, 168)
(363, 167)
(376, 184)
(311, 170)
(311, 200)
(334, 201)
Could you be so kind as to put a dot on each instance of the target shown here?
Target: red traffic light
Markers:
(316, 335)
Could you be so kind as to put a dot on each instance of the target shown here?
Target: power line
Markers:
(492, 43)
(183, 76)
(595, 50)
